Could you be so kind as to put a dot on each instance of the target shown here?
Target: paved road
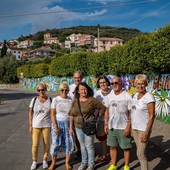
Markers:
(15, 141)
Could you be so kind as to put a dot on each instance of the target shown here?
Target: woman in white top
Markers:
(103, 83)
(60, 134)
(142, 117)
(40, 122)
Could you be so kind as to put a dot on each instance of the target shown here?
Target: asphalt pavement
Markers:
(15, 140)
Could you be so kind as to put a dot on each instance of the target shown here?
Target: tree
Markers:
(8, 70)
(4, 49)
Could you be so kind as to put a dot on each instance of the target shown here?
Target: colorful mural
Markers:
(159, 86)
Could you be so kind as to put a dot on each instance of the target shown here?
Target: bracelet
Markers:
(106, 124)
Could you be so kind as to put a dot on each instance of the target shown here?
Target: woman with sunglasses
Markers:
(142, 118)
(40, 122)
(103, 84)
(60, 134)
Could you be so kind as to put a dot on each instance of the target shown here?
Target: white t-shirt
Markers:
(118, 109)
(72, 88)
(41, 115)
(139, 112)
(99, 96)
(62, 107)
(102, 98)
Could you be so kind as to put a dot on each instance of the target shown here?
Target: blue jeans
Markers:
(87, 146)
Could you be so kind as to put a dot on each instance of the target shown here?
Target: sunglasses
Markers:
(40, 90)
(114, 83)
(104, 82)
(64, 90)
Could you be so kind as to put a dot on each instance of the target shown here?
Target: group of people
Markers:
(119, 118)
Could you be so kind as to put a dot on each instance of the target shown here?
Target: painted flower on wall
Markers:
(162, 103)
(125, 81)
(132, 91)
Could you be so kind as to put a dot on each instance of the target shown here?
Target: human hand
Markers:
(30, 130)
(144, 137)
(106, 129)
(71, 131)
(127, 131)
(57, 130)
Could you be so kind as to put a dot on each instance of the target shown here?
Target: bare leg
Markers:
(67, 158)
(54, 159)
(104, 148)
(68, 166)
(113, 155)
(127, 156)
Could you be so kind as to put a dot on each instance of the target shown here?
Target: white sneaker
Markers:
(34, 165)
(45, 164)
(90, 167)
(83, 166)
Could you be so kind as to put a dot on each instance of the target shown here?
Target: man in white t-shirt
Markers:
(77, 77)
(117, 122)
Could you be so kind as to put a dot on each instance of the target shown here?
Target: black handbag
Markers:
(88, 127)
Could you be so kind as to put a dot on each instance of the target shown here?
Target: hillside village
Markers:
(22, 49)
(51, 44)
(146, 53)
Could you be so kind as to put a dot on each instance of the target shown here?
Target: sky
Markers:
(21, 18)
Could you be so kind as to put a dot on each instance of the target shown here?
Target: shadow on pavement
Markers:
(120, 156)
(153, 152)
(156, 152)
(16, 96)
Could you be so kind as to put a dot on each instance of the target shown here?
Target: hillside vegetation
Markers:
(105, 31)
(147, 53)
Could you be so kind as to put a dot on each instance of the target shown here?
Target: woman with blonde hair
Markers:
(60, 134)
(142, 118)
(39, 122)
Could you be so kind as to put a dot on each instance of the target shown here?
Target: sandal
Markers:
(101, 159)
(68, 166)
(51, 167)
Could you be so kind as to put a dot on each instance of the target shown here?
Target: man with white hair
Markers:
(77, 77)
(118, 122)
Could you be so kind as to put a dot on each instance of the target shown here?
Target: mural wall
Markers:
(159, 86)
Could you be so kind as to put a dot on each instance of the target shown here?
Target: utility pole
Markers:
(70, 46)
(98, 39)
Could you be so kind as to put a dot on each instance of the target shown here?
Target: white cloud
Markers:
(111, 15)
(104, 2)
(95, 13)
(40, 21)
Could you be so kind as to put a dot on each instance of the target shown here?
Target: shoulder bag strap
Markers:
(33, 103)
